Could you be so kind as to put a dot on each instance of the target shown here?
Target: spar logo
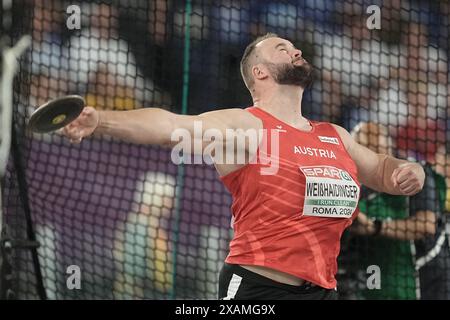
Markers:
(326, 172)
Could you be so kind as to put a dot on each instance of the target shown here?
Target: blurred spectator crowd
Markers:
(131, 54)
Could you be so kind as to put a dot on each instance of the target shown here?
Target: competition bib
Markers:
(329, 192)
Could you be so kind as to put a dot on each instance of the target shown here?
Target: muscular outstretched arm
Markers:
(381, 172)
(150, 125)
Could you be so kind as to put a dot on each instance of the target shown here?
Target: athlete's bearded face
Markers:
(292, 73)
(284, 62)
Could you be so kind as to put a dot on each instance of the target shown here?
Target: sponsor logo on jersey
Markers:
(332, 140)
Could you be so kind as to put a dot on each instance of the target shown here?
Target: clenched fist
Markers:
(83, 126)
(408, 178)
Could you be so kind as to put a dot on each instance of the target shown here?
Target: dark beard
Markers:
(289, 74)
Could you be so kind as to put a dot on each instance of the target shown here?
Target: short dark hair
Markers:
(248, 53)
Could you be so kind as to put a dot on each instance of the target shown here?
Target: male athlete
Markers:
(287, 225)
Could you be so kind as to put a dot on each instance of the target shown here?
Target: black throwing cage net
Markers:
(133, 225)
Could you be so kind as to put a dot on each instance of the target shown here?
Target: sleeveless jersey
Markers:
(291, 218)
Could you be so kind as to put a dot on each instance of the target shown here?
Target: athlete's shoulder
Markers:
(340, 130)
(236, 117)
(343, 134)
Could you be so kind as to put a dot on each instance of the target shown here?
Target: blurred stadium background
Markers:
(140, 227)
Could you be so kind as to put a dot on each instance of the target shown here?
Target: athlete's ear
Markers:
(260, 71)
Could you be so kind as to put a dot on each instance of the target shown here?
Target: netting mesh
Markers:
(138, 226)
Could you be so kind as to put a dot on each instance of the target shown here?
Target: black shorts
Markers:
(237, 283)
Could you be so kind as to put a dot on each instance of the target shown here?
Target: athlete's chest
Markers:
(307, 149)
(316, 173)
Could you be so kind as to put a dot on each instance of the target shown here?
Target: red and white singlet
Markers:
(292, 221)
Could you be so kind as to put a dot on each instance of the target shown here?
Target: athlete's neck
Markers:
(283, 102)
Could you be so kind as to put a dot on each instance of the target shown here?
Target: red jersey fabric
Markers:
(292, 221)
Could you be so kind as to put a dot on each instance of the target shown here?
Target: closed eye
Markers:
(281, 47)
